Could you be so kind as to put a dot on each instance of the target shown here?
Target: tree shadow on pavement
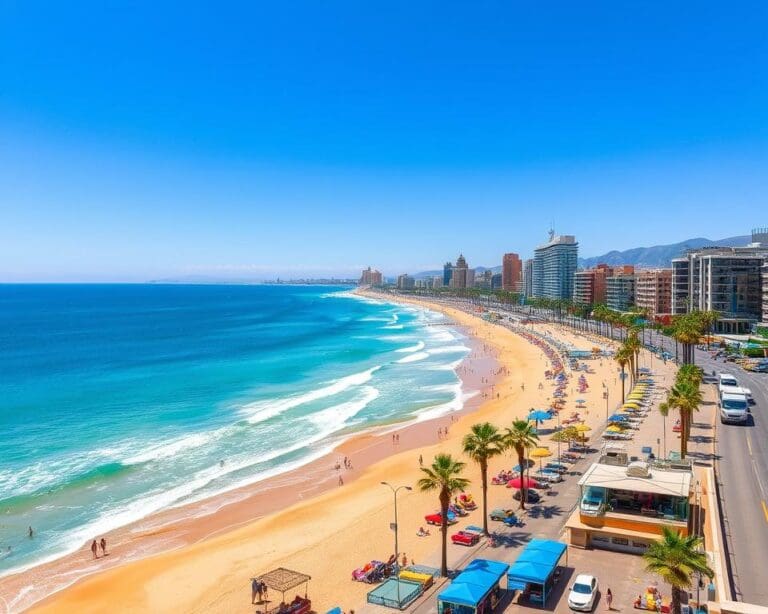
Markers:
(545, 511)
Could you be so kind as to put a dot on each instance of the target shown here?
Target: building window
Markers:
(620, 541)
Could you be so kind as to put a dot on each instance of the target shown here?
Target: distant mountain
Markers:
(660, 256)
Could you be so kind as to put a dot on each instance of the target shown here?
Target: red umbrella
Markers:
(529, 483)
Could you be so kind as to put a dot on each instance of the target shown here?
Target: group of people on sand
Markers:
(95, 547)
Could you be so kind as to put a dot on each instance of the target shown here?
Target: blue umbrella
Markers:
(617, 418)
(538, 415)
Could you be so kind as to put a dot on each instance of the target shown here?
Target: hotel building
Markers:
(405, 282)
(528, 277)
(554, 264)
(447, 274)
(589, 285)
(620, 288)
(724, 279)
(459, 273)
(653, 291)
(512, 273)
(371, 277)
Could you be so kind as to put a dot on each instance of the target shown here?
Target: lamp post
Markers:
(394, 527)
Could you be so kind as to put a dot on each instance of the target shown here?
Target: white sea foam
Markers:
(449, 349)
(413, 357)
(336, 417)
(413, 348)
(392, 327)
(441, 335)
(451, 366)
(171, 448)
(264, 410)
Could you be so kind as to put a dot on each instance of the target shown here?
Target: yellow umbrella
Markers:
(540, 453)
(614, 429)
(583, 428)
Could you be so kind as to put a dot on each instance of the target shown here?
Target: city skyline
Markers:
(148, 144)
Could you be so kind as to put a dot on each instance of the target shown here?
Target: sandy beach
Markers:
(320, 527)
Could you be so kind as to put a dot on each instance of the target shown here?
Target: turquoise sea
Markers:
(117, 401)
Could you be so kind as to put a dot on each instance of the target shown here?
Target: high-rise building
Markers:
(405, 282)
(765, 293)
(554, 264)
(370, 277)
(620, 290)
(723, 279)
(447, 274)
(470, 278)
(496, 281)
(589, 285)
(459, 273)
(512, 273)
(528, 277)
(653, 291)
(437, 281)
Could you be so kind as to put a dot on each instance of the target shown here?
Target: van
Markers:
(733, 408)
(745, 391)
(727, 383)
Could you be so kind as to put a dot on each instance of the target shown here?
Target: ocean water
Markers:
(117, 401)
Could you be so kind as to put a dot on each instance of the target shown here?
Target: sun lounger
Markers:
(422, 578)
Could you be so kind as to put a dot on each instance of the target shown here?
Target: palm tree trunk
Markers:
(484, 476)
(675, 605)
(622, 384)
(683, 433)
(520, 460)
(445, 500)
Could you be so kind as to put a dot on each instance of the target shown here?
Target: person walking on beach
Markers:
(95, 549)
(255, 590)
(609, 599)
(31, 533)
(421, 461)
(103, 545)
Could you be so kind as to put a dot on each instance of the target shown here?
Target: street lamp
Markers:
(393, 526)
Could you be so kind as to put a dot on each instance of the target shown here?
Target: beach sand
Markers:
(333, 529)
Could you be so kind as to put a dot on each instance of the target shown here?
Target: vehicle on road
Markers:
(726, 383)
(583, 594)
(437, 518)
(734, 408)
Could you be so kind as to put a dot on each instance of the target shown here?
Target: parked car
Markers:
(465, 538)
(583, 593)
(501, 514)
(437, 518)
(531, 496)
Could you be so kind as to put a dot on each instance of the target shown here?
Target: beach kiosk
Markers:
(535, 570)
(476, 590)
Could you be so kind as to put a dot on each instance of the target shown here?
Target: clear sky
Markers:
(261, 138)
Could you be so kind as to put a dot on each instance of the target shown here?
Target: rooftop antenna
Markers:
(552, 231)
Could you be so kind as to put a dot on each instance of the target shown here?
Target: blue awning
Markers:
(473, 584)
(536, 562)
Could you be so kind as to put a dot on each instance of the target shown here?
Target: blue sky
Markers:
(315, 138)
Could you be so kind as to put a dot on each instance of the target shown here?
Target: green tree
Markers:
(444, 476)
(685, 397)
(483, 442)
(521, 437)
(675, 558)
(622, 357)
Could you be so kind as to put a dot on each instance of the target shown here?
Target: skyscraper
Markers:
(459, 275)
(512, 273)
(528, 277)
(554, 264)
(370, 277)
(447, 274)
(653, 291)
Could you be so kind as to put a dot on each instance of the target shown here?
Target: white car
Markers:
(583, 593)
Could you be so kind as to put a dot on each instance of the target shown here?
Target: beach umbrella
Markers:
(518, 483)
(539, 415)
(540, 453)
(617, 418)
(614, 428)
(583, 428)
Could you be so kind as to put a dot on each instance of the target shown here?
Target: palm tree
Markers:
(483, 442)
(521, 437)
(675, 559)
(685, 397)
(622, 357)
(444, 476)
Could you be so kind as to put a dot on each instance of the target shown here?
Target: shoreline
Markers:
(332, 533)
(178, 527)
